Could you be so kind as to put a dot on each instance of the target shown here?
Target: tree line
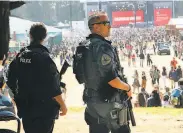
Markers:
(51, 12)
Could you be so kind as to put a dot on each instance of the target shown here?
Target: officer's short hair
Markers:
(38, 32)
(94, 18)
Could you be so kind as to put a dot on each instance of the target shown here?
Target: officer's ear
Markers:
(96, 27)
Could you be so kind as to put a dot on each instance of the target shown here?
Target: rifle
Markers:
(62, 72)
(123, 93)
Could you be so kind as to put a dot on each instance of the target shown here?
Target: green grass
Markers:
(154, 111)
(159, 111)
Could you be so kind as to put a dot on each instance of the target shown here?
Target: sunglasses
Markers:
(105, 23)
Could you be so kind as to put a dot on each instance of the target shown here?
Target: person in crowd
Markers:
(144, 80)
(173, 63)
(166, 97)
(134, 60)
(142, 57)
(179, 72)
(129, 59)
(136, 83)
(173, 76)
(164, 76)
(176, 98)
(151, 74)
(175, 51)
(154, 47)
(154, 100)
(137, 51)
(142, 98)
(156, 75)
(149, 60)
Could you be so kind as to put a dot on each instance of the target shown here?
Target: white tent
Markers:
(20, 26)
(179, 26)
(60, 24)
(176, 21)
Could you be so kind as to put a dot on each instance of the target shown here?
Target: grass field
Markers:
(149, 120)
(153, 111)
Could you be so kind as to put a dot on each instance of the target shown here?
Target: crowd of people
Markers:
(142, 43)
(134, 43)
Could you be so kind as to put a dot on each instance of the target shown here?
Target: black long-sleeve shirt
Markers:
(33, 76)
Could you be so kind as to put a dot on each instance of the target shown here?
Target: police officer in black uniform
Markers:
(35, 81)
(102, 80)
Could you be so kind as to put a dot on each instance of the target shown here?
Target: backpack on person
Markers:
(79, 61)
(176, 94)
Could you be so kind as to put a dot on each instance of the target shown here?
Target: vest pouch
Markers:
(106, 113)
(123, 116)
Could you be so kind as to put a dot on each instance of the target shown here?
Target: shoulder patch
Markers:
(106, 59)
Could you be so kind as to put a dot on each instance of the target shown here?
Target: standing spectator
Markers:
(154, 47)
(156, 75)
(173, 63)
(134, 60)
(149, 61)
(129, 58)
(175, 51)
(173, 77)
(137, 51)
(164, 76)
(144, 80)
(136, 83)
(142, 57)
(151, 74)
(179, 72)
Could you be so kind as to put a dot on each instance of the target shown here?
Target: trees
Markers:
(51, 12)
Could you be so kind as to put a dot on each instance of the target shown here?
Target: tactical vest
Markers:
(25, 63)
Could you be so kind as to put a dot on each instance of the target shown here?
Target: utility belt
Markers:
(114, 114)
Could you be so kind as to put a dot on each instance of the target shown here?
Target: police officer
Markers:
(102, 80)
(34, 79)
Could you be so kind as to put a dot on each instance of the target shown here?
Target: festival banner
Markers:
(126, 17)
(162, 16)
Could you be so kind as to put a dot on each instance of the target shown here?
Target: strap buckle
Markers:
(114, 114)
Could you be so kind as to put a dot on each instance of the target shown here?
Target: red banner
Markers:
(91, 13)
(126, 17)
(162, 16)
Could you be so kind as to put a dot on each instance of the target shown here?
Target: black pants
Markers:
(176, 53)
(154, 81)
(38, 125)
(148, 62)
(94, 127)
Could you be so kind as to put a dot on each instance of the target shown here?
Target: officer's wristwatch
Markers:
(129, 89)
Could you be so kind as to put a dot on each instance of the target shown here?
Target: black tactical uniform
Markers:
(34, 80)
(100, 69)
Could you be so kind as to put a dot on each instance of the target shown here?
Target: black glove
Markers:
(62, 84)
